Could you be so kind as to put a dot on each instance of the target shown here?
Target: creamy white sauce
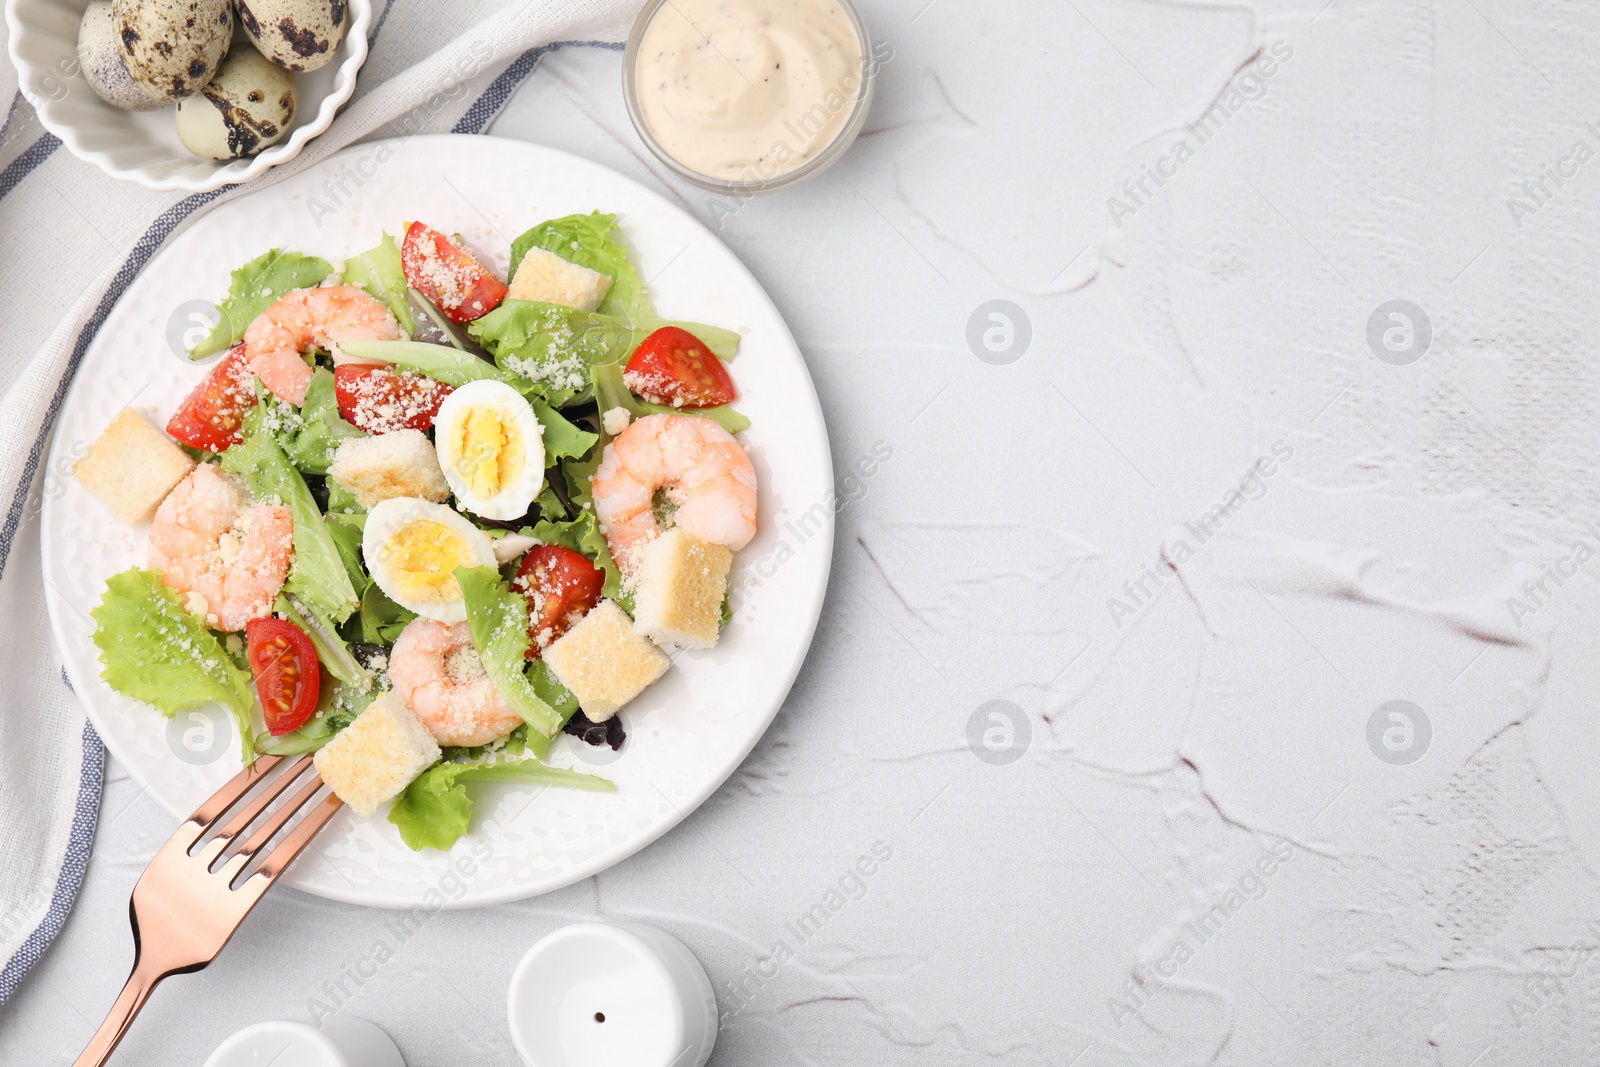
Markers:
(745, 90)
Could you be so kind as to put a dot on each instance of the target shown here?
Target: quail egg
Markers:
(173, 47)
(295, 34)
(246, 107)
(101, 59)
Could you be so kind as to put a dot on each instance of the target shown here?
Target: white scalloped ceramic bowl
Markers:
(143, 146)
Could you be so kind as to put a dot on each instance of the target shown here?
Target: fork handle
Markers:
(141, 983)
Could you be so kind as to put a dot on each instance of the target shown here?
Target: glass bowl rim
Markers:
(810, 169)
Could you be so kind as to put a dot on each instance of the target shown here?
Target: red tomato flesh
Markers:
(448, 275)
(561, 587)
(287, 677)
(674, 367)
(379, 399)
(211, 416)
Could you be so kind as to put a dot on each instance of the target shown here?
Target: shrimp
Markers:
(304, 319)
(705, 477)
(438, 673)
(226, 556)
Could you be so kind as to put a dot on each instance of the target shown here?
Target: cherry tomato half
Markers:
(674, 367)
(448, 275)
(287, 677)
(379, 399)
(211, 416)
(561, 587)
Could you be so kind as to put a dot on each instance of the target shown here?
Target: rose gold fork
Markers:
(183, 912)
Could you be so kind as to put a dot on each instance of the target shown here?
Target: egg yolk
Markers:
(421, 559)
(490, 450)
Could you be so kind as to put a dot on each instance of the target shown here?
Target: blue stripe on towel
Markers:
(11, 117)
(487, 106)
(24, 164)
(90, 781)
(377, 27)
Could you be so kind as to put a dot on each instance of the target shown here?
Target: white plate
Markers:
(688, 732)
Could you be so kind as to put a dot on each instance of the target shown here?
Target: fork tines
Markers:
(259, 804)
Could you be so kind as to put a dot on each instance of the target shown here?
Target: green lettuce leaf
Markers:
(610, 391)
(309, 437)
(498, 618)
(590, 241)
(153, 650)
(310, 737)
(549, 501)
(552, 692)
(379, 272)
(347, 531)
(381, 619)
(436, 810)
(434, 326)
(724, 416)
(552, 347)
(318, 575)
(579, 476)
(512, 746)
(449, 365)
(562, 439)
(332, 652)
(337, 707)
(342, 501)
(724, 344)
(256, 286)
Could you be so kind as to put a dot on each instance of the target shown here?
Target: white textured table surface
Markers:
(1197, 533)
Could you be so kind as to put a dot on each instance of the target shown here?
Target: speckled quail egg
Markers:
(173, 47)
(100, 56)
(246, 107)
(295, 34)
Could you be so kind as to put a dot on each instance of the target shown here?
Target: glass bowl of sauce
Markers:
(743, 96)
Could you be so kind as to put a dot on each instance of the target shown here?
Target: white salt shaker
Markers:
(341, 1042)
(619, 994)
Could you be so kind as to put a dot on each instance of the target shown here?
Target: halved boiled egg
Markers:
(491, 448)
(412, 548)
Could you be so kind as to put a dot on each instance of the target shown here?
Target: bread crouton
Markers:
(679, 585)
(547, 277)
(604, 662)
(132, 467)
(375, 757)
(402, 463)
